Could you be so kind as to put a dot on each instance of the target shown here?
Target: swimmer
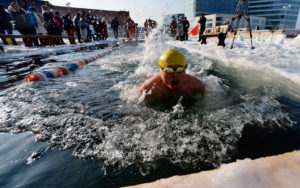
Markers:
(172, 81)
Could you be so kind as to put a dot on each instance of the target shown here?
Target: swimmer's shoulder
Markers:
(196, 84)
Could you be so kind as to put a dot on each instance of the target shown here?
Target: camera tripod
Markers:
(241, 11)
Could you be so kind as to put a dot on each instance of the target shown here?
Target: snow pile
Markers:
(296, 41)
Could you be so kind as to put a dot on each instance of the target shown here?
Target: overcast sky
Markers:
(140, 10)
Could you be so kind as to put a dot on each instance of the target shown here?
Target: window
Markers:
(209, 25)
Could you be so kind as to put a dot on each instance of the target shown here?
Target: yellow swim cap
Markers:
(171, 57)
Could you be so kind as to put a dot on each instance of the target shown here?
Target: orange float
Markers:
(64, 70)
(59, 72)
(89, 59)
(33, 77)
(80, 63)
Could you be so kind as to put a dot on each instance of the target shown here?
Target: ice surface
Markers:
(276, 171)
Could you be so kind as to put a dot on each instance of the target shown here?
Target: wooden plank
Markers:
(34, 36)
(210, 35)
(48, 39)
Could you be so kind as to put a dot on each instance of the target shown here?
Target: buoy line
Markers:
(64, 69)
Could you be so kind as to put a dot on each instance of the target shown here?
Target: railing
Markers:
(48, 39)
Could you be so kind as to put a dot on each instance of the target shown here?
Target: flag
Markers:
(195, 31)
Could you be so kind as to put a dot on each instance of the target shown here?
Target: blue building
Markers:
(193, 8)
(280, 14)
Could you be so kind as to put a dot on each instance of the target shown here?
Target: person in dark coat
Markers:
(69, 27)
(101, 29)
(25, 5)
(115, 26)
(5, 25)
(202, 22)
(77, 25)
(59, 25)
(185, 28)
(49, 21)
(22, 23)
(173, 26)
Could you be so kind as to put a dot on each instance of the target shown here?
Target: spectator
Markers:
(105, 33)
(185, 28)
(95, 25)
(146, 25)
(23, 4)
(22, 23)
(115, 26)
(69, 27)
(40, 30)
(128, 28)
(101, 29)
(173, 26)
(59, 25)
(97, 29)
(202, 22)
(84, 26)
(5, 25)
(90, 27)
(78, 26)
(49, 21)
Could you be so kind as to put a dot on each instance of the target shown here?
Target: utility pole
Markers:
(286, 7)
(68, 5)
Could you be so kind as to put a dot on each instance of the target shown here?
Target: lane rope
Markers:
(65, 69)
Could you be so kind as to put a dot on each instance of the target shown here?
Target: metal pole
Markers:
(286, 8)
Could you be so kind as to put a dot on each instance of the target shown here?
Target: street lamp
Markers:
(68, 5)
(286, 7)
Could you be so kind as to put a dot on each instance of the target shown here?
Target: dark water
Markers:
(90, 129)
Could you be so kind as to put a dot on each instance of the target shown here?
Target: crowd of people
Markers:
(27, 21)
(84, 27)
(182, 33)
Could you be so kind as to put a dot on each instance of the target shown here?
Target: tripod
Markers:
(241, 11)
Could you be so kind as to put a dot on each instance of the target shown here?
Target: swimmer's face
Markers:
(172, 80)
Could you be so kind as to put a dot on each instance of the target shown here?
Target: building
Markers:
(215, 20)
(168, 18)
(280, 14)
(194, 8)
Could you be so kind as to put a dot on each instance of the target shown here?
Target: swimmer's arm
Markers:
(148, 85)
